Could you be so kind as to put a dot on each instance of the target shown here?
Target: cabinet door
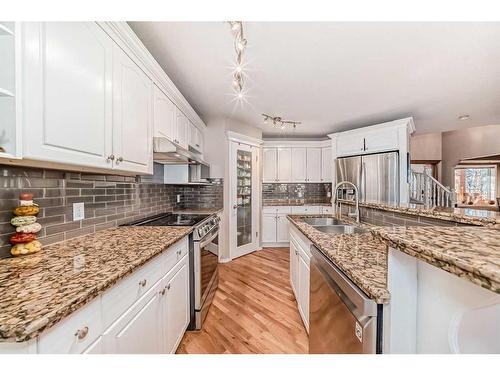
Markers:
(269, 164)
(350, 144)
(182, 123)
(299, 164)
(326, 164)
(381, 140)
(164, 115)
(313, 164)
(303, 298)
(67, 93)
(284, 164)
(176, 306)
(269, 228)
(96, 347)
(132, 121)
(294, 268)
(282, 229)
(139, 330)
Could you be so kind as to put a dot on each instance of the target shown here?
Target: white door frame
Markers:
(238, 141)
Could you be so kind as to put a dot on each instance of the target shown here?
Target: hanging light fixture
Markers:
(240, 44)
(278, 122)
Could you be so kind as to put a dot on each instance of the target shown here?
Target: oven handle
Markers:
(206, 242)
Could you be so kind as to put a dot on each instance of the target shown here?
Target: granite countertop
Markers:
(472, 253)
(293, 203)
(39, 290)
(459, 215)
(362, 257)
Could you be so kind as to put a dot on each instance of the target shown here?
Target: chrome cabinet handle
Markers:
(82, 333)
(162, 292)
(179, 252)
(110, 158)
(119, 160)
(143, 283)
(168, 287)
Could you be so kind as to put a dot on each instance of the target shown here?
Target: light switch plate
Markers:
(78, 211)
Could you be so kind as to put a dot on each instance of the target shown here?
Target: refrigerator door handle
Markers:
(362, 181)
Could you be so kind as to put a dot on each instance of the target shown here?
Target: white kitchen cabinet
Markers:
(306, 210)
(299, 164)
(269, 228)
(351, 144)
(326, 164)
(181, 133)
(139, 330)
(294, 268)
(164, 115)
(327, 210)
(282, 228)
(67, 93)
(314, 165)
(176, 306)
(132, 115)
(284, 166)
(303, 290)
(195, 139)
(97, 347)
(381, 140)
(269, 165)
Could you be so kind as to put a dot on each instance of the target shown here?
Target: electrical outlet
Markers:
(178, 198)
(78, 211)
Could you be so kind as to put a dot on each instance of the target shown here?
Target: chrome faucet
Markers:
(338, 203)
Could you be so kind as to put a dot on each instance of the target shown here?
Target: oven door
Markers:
(206, 259)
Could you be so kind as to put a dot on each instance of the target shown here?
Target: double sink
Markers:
(332, 226)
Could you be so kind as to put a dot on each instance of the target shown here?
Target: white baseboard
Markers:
(276, 244)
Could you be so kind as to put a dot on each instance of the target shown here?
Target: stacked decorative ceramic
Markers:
(24, 240)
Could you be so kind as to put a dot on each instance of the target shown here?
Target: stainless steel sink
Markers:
(321, 221)
(340, 229)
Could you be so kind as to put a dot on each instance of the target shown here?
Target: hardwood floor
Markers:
(253, 311)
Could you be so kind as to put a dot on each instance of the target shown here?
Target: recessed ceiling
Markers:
(336, 76)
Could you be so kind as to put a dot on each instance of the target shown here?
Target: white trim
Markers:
(125, 37)
(242, 138)
(408, 122)
(297, 144)
(225, 260)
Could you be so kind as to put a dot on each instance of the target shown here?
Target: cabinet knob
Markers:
(119, 160)
(168, 287)
(143, 283)
(197, 145)
(179, 252)
(162, 292)
(235, 206)
(110, 158)
(82, 333)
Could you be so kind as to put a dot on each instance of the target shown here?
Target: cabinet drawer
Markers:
(174, 254)
(269, 210)
(120, 297)
(75, 333)
(302, 242)
(327, 209)
(306, 210)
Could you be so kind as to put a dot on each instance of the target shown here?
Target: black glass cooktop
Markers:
(187, 220)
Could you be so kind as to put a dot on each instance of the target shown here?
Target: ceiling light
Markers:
(239, 43)
(239, 69)
(240, 95)
(235, 25)
(463, 117)
(278, 122)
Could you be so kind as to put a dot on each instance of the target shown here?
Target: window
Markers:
(476, 185)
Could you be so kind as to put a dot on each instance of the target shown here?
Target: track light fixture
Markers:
(240, 44)
(278, 122)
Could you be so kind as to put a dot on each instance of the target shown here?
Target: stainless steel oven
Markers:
(205, 259)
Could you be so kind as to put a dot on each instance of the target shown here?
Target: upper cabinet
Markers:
(295, 161)
(92, 97)
(67, 92)
(389, 136)
(164, 115)
(195, 138)
(132, 116)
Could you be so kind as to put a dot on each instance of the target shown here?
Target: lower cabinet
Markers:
(300, 273)
(157, 321)
(275, 226)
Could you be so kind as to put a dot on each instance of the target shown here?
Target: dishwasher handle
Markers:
(360, 305)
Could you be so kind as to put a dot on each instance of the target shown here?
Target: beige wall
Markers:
(216, 152)
(468, 143)
(426, 146)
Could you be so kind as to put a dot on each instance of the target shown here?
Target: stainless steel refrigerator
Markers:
(376, 176)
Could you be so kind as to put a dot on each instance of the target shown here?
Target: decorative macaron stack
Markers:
(24, 240)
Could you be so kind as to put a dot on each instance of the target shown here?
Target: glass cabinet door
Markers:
(244, 198)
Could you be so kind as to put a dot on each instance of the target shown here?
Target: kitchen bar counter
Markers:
(39, 290)
(362, 257)
(468, 252)
(293, 203)
(459, 215)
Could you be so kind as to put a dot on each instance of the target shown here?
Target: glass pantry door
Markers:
(244, 218)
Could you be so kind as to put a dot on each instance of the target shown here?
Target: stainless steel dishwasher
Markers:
(343, 319)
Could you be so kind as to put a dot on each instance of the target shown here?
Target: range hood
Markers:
(166, 152)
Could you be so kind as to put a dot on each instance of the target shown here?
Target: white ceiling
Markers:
(336, 76)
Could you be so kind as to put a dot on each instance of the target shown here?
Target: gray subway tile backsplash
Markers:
(109, 200)
(304, 193)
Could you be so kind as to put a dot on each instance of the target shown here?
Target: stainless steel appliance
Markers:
(203, 258)
(375, 175)
(342, 319)
(167, 152)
